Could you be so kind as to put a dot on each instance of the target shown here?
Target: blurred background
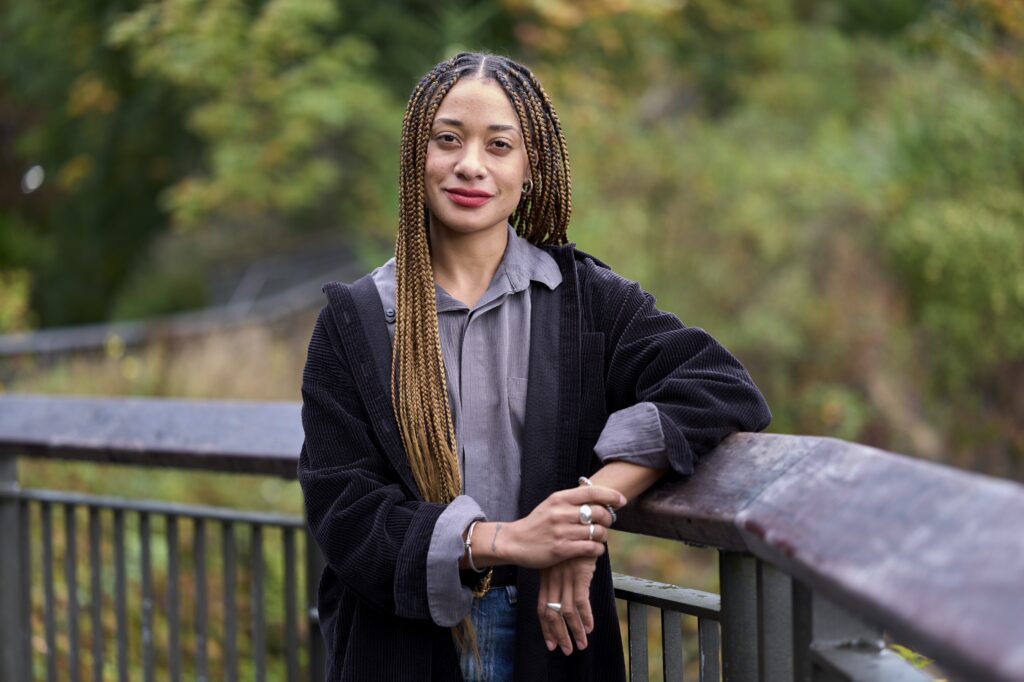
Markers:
(834, 189)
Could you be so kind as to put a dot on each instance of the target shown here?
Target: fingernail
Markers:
(622, 501)
(551, 645)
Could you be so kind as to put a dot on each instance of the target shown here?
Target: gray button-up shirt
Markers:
(486, 352)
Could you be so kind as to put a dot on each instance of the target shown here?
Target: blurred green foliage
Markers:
(835, 189)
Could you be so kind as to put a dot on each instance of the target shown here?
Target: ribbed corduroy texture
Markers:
(375, 531)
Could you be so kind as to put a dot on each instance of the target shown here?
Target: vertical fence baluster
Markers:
(173, 622)
(802, 631)
(13, 514)
(314, 567)
(290, 605)
(25, 577)
(120, 596)
(147, 598)
(49, 626)
(71, 580)
(96, 588)
(708, 643)
(637, 619)
(259, 647)
(230, 643)
(199, 555)
(672, 645)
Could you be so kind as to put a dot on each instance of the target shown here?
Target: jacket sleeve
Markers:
(373, 534)
(702, 393)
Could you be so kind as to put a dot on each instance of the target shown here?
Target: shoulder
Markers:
(590, 271)
(600, 284)
(339, 310)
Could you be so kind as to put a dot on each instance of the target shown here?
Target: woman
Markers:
(461, 485)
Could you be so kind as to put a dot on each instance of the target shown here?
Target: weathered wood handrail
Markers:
(933, 554)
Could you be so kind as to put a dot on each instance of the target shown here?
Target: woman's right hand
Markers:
(553, 532)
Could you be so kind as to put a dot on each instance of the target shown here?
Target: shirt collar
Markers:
(523, 262)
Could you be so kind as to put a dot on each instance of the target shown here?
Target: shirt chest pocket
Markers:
(593, 410)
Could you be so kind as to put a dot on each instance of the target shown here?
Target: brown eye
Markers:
(446, 138)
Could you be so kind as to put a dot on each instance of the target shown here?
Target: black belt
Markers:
(501, 576)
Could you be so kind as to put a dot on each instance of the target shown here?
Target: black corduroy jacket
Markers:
(598, 344)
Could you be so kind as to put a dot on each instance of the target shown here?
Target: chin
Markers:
(463, 226)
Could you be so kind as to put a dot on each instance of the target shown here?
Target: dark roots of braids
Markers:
(419, 388)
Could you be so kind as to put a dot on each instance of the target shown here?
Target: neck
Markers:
(464, 262)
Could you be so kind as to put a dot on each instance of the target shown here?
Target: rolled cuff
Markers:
(633, 434)
(448, 599)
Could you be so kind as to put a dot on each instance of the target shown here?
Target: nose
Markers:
(470, 164)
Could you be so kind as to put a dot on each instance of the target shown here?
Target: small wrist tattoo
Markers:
(494, 539)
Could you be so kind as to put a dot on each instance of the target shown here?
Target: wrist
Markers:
(502, 541)
(489, 545)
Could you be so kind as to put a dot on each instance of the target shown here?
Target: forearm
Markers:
(629, 479)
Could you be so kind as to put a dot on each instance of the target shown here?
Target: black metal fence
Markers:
(141, 586)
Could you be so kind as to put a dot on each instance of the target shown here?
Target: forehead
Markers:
(477, 102)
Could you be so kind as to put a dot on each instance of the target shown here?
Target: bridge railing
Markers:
(824, 548)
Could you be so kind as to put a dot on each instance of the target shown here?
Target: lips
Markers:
(470, 198)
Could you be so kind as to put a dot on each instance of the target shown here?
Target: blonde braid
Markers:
(419, 382)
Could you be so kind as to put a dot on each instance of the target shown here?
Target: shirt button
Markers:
(389, 315)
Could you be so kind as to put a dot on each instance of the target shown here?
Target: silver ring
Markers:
(554, 606)
(590, 530)
(586, 514)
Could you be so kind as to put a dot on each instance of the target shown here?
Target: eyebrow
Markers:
(494, 126)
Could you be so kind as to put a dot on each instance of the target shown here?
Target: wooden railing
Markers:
(824, 547)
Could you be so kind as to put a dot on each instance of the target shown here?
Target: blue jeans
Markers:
(494, 619)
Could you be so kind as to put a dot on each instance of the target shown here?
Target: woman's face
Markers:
(476, 159)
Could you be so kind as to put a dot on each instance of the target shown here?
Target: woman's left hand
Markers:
(568, 584)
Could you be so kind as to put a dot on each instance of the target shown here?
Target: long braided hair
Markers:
(419, 395)
(419, 386)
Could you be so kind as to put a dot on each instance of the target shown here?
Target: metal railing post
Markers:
(775, 622)
(13, 599)
(740, 651)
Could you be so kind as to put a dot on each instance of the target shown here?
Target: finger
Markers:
(573, 549)
(600, 533)
(601, 516)
(598, 514)
(581, 590)
(572, 614)
(593, 494)
(546, 595)
(556, 621)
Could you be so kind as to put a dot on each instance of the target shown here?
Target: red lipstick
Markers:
(470, 198)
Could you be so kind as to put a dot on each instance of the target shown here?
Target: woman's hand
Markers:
(553, 532)
(568, 584)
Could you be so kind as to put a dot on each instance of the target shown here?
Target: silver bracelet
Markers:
(583, 480)
(469, 546)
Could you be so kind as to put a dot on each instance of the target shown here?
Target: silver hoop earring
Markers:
(528, 186)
